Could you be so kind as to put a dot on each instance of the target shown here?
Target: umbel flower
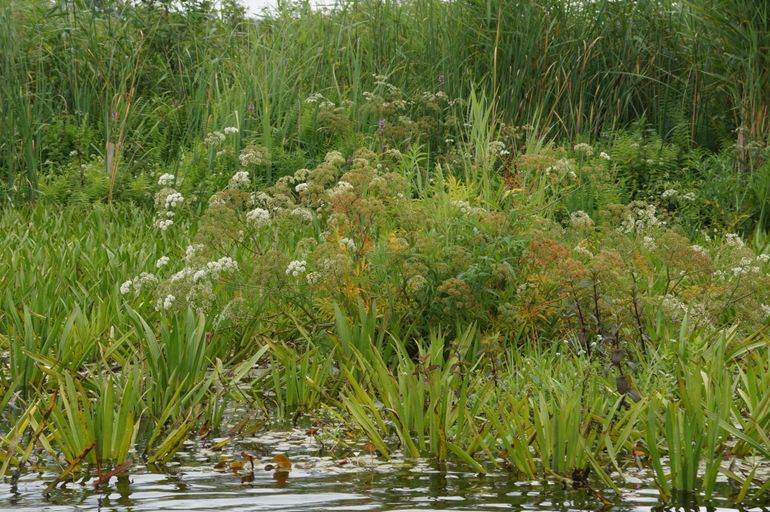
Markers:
(296, 268)
(240, 180)
(258, 216)
(166, 180)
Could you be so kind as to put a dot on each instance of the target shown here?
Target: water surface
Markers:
(198, 480)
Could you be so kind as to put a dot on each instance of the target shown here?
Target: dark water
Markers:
(420, 487)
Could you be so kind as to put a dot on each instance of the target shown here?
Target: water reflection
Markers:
(421, 487)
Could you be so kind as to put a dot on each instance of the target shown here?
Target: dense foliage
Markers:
(521, 235)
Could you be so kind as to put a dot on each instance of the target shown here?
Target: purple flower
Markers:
(441, 79)
(115, 116)
(251, 108)
(173, 103)
(381, 126)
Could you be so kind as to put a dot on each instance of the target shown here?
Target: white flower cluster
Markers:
(166, 199)
(341, 187)
(254, 155)
(314, 98)
(561, 167)
(672, 303)
(649, 243)
(523, 287)
(313, 278)
(334, 158)
(182, 275)
(393, 153)
(301, 188)
(166, 180)
(765, 310)
(320, 100)
(583, 250)
(580, 220)
(200, 275)
(162, 262)
(734, 240)
(584, 148)
(677, 308)
(466, 208)
(193, 284)
(745, 266)
(189, 253)
(498, 148)
(173, 200)
(204, 275)
(334, 266)
(302, 214)
(669, 194)
(296, 268)
(143, 280)
(223, 264)
(164, 224)
(348, 244)
(165, 303)
(230, 130)
(672, 194)
(259, 199)
(605, 156)
(258, 217)
(641, 217)
(240, 180)
(214, 139)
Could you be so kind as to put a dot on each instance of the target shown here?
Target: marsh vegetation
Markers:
(525, 240)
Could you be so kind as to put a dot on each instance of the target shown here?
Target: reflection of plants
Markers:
(375, 248)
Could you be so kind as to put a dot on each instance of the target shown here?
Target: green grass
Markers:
(565, 69)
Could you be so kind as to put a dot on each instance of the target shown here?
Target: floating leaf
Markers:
(248, 458)
(282, 462)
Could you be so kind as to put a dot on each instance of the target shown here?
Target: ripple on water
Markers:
(315, 483)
